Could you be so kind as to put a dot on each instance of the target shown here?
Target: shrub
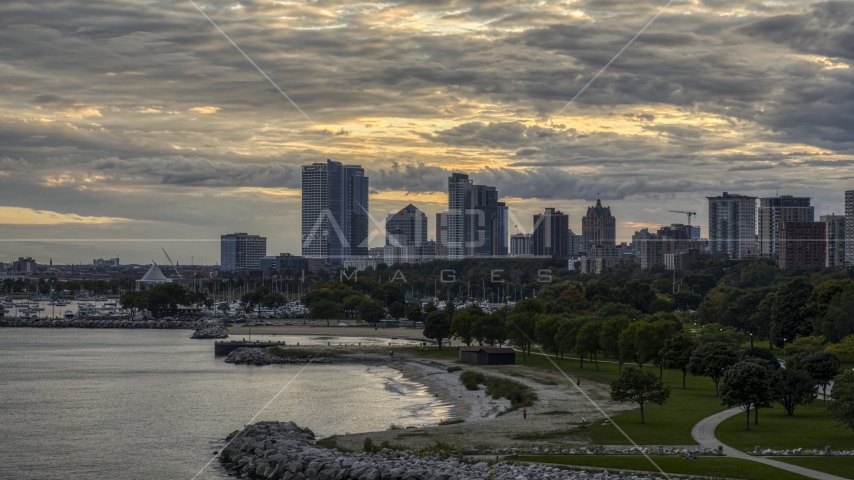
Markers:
(454, 368)
(518, 394)
(471, 379)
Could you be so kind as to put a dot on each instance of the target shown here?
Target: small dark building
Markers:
(487, 355)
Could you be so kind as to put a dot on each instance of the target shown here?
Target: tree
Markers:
(676, 353)
(274, 300)
(493, 329)
(521, 330)
(711, 360)
(807, 345)
(163, 299)
(637, 386)
(463, 325)
(844, 348)
(794, 387)
(842, 400)
(253, 299)
(130, 299)
(788, 314)
(764, 355)
(588, 341)
(747, 384)
(396, 310)
(371, 311)
(223, 307)
(823, 367)
(609, 338)
(838, 321)
(437, 326)
(546, 333)
(413, 313)
(324, 310)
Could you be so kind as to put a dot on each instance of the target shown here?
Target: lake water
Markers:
(139, 404)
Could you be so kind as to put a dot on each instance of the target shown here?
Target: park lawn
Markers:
(810, 427)
(668, 424)
(839, 466)
(710, 466)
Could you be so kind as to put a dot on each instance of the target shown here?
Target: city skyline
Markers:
(125, 127)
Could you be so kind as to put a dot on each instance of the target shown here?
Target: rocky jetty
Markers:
(210, 331)
(262, 356)
(274, 450)
(83, 323)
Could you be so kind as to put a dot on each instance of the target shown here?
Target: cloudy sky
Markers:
(128, 125)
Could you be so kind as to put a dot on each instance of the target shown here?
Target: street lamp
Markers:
(751, 340)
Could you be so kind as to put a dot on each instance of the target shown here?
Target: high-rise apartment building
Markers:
(573, 244)
(849, 227)
(801, 244)
(334, 212)
(442, 235)
(411, 221)
(241, 251)
(772, 211)
(477, 221)
(732, 225)
(551, 229)
(598, 227)
(520, 244)
(834, 240)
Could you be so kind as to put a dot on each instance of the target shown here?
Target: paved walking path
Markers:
(704, 434)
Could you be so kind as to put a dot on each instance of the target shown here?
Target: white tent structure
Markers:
(152, 277)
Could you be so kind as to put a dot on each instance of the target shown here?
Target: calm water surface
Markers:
(138, 404)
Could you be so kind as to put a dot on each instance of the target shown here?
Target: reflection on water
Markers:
(141, 404)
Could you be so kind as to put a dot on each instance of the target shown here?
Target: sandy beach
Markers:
(555, 420)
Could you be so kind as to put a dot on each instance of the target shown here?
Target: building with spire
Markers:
(598, 227)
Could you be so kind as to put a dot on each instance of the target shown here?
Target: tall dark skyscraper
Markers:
(477, 221)
(732, 225)
(551, 231)
(598, 227)
(334, 211)
(411, 222)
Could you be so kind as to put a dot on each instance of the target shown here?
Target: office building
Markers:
(801, 244)
(520, 244)
(476, 220)
(834, 240)
(283, 264)
(849, 227)
(411, 222)
(334, 212)
(241, 251)
(550, 233)
(25, 265)
(100, 262)
(732, 225)
(772, 211)
(598, 227)
(573, 244)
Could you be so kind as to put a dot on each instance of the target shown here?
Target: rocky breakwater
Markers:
(263, 356)
(83, 323)
(274, 450)
(210, 331)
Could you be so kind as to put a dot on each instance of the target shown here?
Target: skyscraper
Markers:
(551, 229)
(334, 211)
(772, 211)
(241, 251)
(477, 221)
(598, 227)
(834, 240)
(732, 225)
(442, 235)
(411, 221)
(849, 227)
(520, 244)
(801, 244)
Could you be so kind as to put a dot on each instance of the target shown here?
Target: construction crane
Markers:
(687, 213)
(170, 261)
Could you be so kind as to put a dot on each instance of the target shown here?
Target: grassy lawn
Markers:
(839, 466)
(711, 466)
(810, 427)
